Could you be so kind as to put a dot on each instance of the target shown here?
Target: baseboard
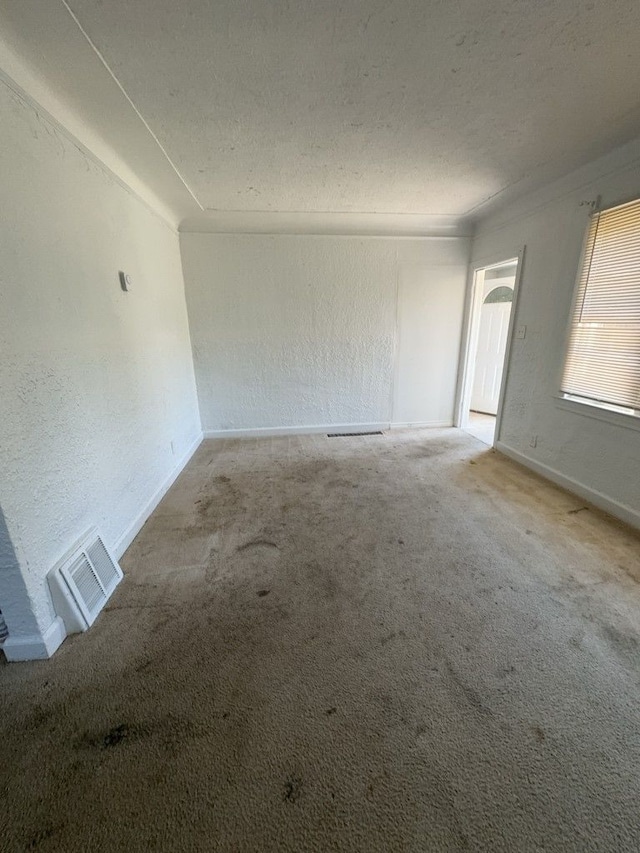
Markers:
(136, 525)
(266, 432)
(421, 424)
(35, 646)
(603, 502)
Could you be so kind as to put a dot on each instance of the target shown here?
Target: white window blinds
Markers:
(603, 358)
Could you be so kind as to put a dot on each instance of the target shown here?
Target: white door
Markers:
(492, 343)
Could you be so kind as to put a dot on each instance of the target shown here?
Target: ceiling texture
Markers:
(426, 107)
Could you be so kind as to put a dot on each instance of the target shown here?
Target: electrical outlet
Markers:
(534, 441)
(521, 333)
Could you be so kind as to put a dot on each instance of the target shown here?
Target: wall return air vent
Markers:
(83, 581)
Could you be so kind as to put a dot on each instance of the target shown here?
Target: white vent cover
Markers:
(82, 582)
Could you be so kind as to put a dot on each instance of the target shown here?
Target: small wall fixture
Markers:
(125, 281)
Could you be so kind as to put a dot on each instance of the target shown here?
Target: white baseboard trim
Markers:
(136, 525)
(267, 432)
(421, 424)
(618, 510)
(35, 646)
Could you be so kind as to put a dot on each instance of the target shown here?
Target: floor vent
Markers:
(82, 582)
(353, 434)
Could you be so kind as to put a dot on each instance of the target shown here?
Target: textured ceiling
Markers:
(412, 106)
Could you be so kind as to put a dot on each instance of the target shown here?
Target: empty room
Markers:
(320, 425)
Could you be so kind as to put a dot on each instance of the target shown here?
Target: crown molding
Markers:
(414, 225)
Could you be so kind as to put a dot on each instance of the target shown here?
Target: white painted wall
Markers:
(597, 458)
(304, 331)
(95, 384)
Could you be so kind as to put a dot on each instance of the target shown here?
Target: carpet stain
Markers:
(470, 693)
(117, 734)
(262, 592)
(257, 543)
(39, 716)
(620, 640)
(170, 730)
(539, 733)
(205, 504)
(309, 472)
(429, 451)
(392, 636)
(42, 835)
(292, 790)
(114, 736)
(376, 783)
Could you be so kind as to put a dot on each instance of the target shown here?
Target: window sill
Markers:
(600, 413)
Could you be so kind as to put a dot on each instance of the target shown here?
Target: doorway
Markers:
(489, 331)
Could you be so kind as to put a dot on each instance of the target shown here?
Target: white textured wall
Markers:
(296, 331)
(601, 456)
(95, 383)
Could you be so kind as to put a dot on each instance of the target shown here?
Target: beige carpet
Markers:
(396, 643)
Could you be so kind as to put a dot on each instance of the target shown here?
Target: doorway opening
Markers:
(489, 332)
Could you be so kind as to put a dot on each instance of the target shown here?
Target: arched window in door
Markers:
(499, 294)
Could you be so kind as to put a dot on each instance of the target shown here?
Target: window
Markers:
(602, 366)
(499, 294)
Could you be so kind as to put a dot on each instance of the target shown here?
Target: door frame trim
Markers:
(469, 342)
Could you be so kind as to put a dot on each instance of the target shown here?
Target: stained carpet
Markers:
(393, 643)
